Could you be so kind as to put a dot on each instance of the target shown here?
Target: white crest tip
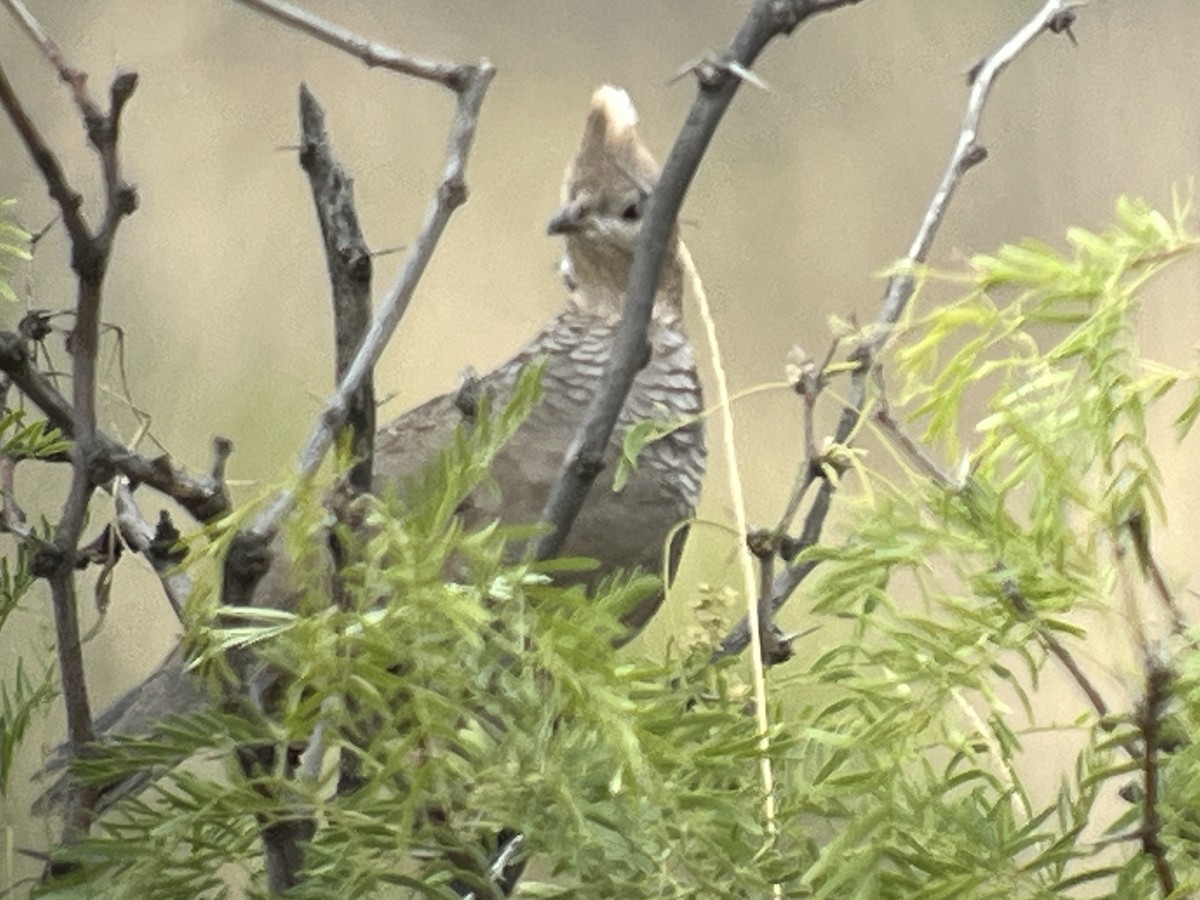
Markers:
(616, 107)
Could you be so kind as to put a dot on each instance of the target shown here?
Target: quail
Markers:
(604, 194)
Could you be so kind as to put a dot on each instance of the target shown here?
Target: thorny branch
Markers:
(1055, 16)
(204, 496)
(90, 253)
(348, 259)
(455, 76)
(808, 381)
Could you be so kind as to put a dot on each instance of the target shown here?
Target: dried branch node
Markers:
(763, 543)
(1061, 22)
(248, 560)
(35, 325)
(453, 192)
(975, 154)
(126, 200)
(99, 466)
(46, 560)
(105, 549)
(165, 545)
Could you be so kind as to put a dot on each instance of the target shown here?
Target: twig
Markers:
(348, 260)
(154, 543)
(1016, 599)
(143, 418)
(809, 381)
(204, 496)
(1149, 719)
(90, 253)
(967, 154)
(917, 454)
(68, 200)
(455, 76)
(718, 83)
(12, 516)
(1139, 533)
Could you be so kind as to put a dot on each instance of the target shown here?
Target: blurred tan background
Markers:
(808, 190)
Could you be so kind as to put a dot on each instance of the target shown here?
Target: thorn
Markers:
(973, 72)
(975, 154)
(1061, 22)
(387, 251)
(793, 636)
(222, 449)
(686, 69)
(747, 76)
(38, 235)
(469, 394)
(709, 70)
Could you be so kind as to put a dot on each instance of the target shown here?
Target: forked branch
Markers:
(1055, 16)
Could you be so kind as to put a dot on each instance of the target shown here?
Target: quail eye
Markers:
(631, 212)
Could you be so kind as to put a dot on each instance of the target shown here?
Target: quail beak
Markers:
(568, 220)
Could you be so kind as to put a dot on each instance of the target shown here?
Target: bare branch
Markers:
(155, 544)
(204, 496)
(76, 78)
(966, 155)
(809, 380)
(68, 200)
(348, 259)
(1139, 533)
(775, 647)
(102, 131)
(917, 454)
(455, 76)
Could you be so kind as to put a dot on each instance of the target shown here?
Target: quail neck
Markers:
(604, 197)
